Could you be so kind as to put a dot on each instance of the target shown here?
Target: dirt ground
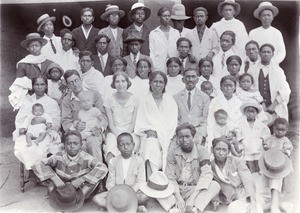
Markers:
(34, 198)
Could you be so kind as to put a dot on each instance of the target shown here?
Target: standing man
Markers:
(204, 40)
(85, 34)
(252, 52)
(178, 18)
(193, 104)
(184, 46)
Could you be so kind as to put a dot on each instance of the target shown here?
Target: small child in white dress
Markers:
(207, 88)
(36, 125)
(245, 92)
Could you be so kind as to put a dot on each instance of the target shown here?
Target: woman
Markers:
(28, 155)
(206, 67)
(237, 184)
(156, 122)
(234, 64)
(121, 109)
(174, 70)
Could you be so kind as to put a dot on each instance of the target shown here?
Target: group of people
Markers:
(180, 115)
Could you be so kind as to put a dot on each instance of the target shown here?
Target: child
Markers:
(207, 88)
(36, 125)
(126, 168)
(234, 64)
(113, 15)
(245, 92)
(278, 140)
(253, 132)
(71, 166)
(174, 68)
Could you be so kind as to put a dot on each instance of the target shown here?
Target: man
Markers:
(85, 34)
(193, 104)
(204, 40)
(70, 108)
(188, 168)
(266, 33)
(252, 52)
(134, 43)
(178, 18)
(102, 59)
(184, 46)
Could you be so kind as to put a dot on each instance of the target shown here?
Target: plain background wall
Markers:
(17, 20)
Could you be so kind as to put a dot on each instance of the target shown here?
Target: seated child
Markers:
(278, 140)
(36, 125)
(126, 168)
(207, 88)
(71, 166)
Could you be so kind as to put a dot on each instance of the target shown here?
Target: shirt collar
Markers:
(137, 27)
(137, 56)
(192, 91)
(192, 155)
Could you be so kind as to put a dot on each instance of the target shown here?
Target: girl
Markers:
(234, 64)
(175, 83)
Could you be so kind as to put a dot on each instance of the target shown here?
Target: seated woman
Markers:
(156, 122)
(174, 70)
(28, 155)
(121, 109)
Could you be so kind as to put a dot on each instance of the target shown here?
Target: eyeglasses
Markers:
(76, 81)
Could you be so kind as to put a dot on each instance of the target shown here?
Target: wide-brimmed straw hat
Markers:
(112, 9)
(66, 198)
(136, 6)
(52, 65)
(178, 12)
(265, 6)
(275, 164)
(230, 2)
(157, 186)
(121, 198)
(43, 19)
(134, 35)
(250, 104)
(33, 37)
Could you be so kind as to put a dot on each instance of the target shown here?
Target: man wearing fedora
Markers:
(53, 46)
(113, 15)
(229, 9)
(189, 169)
(267, 33)
(85, 34)
(178, 18)
(138, 14)
(204, 40)
(134, 43)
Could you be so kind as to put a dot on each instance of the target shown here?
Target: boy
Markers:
(125, 168)
(207, 88)
(71, 166)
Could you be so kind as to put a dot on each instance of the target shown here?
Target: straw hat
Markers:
(121, 198)
(178, 12)
(158, 186)
(66, 198)
(136, 6)
(250, 104)
(43, 19)
(33, 37)
(230, 2)
(265, 6)
(275, 164)
(134, 35)
(112, 9)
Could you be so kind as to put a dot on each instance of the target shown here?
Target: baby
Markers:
(36, 124)
(207, 88)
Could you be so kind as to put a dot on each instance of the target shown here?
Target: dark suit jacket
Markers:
(131, 68)
(97, 65)
(145, 35)
(32, 70)
(85, 44)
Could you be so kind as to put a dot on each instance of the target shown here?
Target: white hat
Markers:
(178, 12)
(112, 9)
(136, 6)
(230, 2)
(265, 6)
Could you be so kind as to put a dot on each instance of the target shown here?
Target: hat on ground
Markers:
(33, 37)
(43, 19)
(250, 104)
(275, 164)
(136, 6)
(178, 12)
(52, 65)
(121, 198)
(112, 9)
(157, 186)
(66, 198)
(134, 35)
(230, 2)
(265, 6)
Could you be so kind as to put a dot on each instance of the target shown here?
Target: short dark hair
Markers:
(154, 74)
(190, 69)
(98, 37)
(252, 42)
(39, 76)
(244, 75)
(191, 127)
(267, 45)
(124, 74)
(86, 53)
(87, 9)
(228, 77)
(282, 121)
(220, 112)
(118, 58)
(223, 139)
(202, 60)
(72, 132)
(124, 134)
(230, 33)
(162, 10)
(183, 39)
(69, 73)
(234, 57)
(200, 9)
(205, 83)
(64, 31)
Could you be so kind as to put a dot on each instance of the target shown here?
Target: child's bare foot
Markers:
(142, 209)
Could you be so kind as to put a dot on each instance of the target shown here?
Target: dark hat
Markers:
(33, 37)
(66, 198)
(43, 19)
(230, 2)
(134, 35)
(265, 6)
(112, 9)
(52, 65)
(136, 6)
(178, 12)
(275, 164)
(121, 198)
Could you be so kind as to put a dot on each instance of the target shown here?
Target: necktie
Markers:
(189, 102)
(134, 60)
(53, 47)
(182, 62)
(102, 62)
(223, 60)
(247, 66)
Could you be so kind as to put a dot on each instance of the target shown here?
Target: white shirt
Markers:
(104, 58)
(137, 57)
(125, 163)
(138, 28)
(192, 94)
(47, 49)
(114, 32)
(67, 60)
(220, 71)
(86, 34)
